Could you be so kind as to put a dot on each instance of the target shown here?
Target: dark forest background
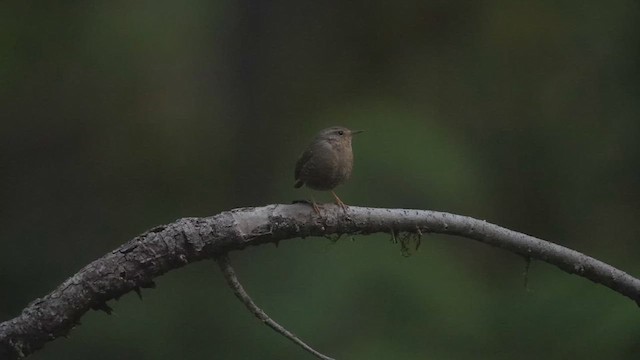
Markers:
(118, 116)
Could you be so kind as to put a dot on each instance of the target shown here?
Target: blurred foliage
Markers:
(118, 116)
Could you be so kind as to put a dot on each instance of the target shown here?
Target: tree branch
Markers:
(136, 263)
(238, 290)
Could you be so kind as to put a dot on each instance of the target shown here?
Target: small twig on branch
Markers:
(525, 274)
(238, 290)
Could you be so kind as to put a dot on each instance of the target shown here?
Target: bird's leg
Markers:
(339, 202)
(315, 206)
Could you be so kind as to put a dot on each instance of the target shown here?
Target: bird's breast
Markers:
(328, 168)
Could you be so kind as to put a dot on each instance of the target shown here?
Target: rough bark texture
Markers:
(135, 264)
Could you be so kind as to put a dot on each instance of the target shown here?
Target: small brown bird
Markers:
(327, 162)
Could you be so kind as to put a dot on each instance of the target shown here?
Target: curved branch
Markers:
(135, 264)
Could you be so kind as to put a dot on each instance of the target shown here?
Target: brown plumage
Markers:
(327, 162)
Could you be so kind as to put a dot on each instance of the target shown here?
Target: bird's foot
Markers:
(316, 207)
(340, 203)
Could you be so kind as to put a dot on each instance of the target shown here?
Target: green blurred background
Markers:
(118, 116)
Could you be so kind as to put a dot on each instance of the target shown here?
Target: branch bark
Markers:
(136, 263)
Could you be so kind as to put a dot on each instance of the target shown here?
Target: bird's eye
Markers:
(340, 132)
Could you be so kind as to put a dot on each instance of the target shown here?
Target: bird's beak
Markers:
(353, 132)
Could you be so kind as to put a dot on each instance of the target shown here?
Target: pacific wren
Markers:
(327, 162)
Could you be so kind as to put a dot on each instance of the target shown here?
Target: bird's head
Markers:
(337, 134)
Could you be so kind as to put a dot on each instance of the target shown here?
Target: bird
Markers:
(327, 162)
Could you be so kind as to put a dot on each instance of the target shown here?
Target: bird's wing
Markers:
(299, 165)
